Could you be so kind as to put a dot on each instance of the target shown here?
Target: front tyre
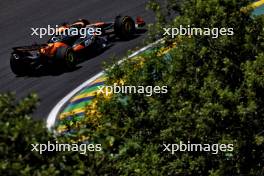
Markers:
(124, 27)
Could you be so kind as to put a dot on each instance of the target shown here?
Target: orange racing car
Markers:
(62, 46)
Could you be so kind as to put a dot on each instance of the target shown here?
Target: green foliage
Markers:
(18, 131)
(215, 96)
(164, 13)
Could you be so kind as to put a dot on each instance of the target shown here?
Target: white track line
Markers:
(56, 110)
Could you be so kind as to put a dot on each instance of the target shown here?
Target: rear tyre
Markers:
(124, 27)
(17, 65)
(66, 56)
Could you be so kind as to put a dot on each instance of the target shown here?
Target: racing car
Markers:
(61, 48)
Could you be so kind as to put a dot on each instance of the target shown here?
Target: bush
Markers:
(18, 131)
(215, 96)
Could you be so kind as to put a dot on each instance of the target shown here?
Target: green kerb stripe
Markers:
(77, 106)
(88, 90)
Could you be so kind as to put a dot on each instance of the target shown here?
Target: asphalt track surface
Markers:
(17, 17)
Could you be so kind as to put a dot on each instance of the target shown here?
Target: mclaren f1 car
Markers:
(61, 48)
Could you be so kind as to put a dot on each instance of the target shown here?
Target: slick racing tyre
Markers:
(124, 27)
(66, 56)
(17, 65)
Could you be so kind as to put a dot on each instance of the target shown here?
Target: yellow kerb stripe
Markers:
(76, 111)
(257, 4)
(84, 96)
